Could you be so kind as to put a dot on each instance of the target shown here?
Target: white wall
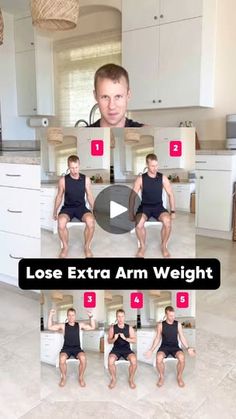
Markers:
(13, 127)
(210, 123)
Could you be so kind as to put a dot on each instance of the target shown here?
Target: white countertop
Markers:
(216, 152)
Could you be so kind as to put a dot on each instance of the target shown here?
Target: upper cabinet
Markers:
(88, 159)
(168, 48)
(34, 70)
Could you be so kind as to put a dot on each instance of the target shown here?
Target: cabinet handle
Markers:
(201, 177)
(200, 161)
(159, 101)
(31, 43)
(153, 101)
(11, 175)
(34, 109)
(14, 211)
(15, 257)
(161, 16)
(155, 17)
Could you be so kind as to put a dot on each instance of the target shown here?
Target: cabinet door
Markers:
(144, 343)
(214, 200)
(24, 34)
(26, 83)
(179, 64)
(182, 197)
(165, 161)
(140, 14)
(87, 160)
(172, 10)
(140, 58)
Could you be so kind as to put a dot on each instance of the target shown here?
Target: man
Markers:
(169, 331)
(112, 93)
(121, 335)
(71, 347)
(151, 185)
(73, 188)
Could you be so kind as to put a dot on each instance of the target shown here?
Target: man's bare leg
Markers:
(63, 219)
(141, 234)
(82, 366)
(160, 368)
(63, 368)
(180, 367)
(88, 218)
(132, 369)
(165, 232)
(112, 370)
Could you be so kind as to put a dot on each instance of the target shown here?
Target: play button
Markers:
(112, 209)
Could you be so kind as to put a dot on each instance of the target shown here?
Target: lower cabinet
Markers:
(50, 345)
(144, 343)
(91, 340)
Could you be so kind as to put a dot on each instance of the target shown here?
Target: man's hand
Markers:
(191, 352)
(148, 354)
(122, 336)
(52, 312)
(116, 336)
(173, 215)
(89, 313)
(132, 217)
(55, 216)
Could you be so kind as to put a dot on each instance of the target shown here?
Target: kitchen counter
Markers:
(22, 157)
(216, 152)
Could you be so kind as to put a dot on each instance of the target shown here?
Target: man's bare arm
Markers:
(183, 340)
(111, 338)
(54, 327)
(59, 196)
(88, 191)
(136, 189)
(88, 326)
(169, 191)
(155, 342)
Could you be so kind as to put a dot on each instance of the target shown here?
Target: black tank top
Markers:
(121, 344)
(170, 334)
(74, 191)
(152, 189)
(71, 337)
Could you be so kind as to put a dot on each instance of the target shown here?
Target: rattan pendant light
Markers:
(55, 15)
(1, 28)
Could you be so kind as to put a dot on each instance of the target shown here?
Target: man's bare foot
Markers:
(81, 382)
(62, 382)
(180, 381)
(112, 383)
(160, 382)
(140, 253)
(63, 253)
(132, 384)
(165, 251)
(88, 253)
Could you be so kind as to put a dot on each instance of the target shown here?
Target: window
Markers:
(76, 62)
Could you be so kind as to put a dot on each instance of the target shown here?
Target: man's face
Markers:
(120, 317)
(152, 166)
(71, 316)
(112, 98)
(170, 316)
(74, 168)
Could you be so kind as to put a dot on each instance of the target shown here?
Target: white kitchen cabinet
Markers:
(84, 147)
(47, 200)
(91, 340)
(141, 15)
(182, 193)
(189, 311)
(34, 70)
(176, 55)
(144, 343)
(162, 139)
(215, 176)
(50, 344)
(19, 215)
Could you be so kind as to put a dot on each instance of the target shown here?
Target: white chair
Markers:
(72, 360)
(107, 349)
(168, 359)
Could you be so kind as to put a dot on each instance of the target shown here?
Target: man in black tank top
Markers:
(121, 335)
(169, 332)
(112, 93)
(72, 346)
(151, 185)
(73, 187)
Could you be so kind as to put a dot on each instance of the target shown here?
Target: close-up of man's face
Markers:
(120, 317)
(112, 97)
(170, 315)
(152, 166)
(71, 316)
(74, 168)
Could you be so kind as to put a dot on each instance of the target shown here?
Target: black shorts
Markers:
(74, 212)
(121, 354)
(71, 351)
(151, 210)
(169, 350)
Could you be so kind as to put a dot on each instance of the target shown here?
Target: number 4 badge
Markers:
(136, 300)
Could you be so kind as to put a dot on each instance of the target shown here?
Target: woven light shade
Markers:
(1, 28)
(55, 135)
(112, 140)
(55, 15)
(131, 136)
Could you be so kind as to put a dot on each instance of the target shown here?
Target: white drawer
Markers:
(14, 248)
(214, 162)
(20, 175)
(48, 192)
(20, 211)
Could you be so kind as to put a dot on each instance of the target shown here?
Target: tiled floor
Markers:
(181, 243)
(210, 390)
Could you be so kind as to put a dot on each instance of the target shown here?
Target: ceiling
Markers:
(15, 6)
